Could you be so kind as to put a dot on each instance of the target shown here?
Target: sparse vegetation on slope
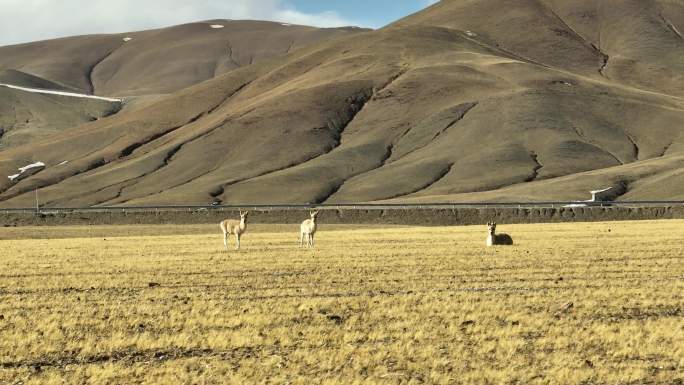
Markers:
(500, 99)
(163, 60)
(27, 117)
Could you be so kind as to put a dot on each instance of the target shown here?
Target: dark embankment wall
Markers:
(421, 217)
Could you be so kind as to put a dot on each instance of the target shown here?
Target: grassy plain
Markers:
(393, 305)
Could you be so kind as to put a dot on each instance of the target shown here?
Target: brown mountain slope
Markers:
(633, 42)
(26, 116)
(22, 79)
(159, 61)
(443, 105)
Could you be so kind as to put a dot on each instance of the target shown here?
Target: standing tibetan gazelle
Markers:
(497, 239)
(308, 230)
(230, 226)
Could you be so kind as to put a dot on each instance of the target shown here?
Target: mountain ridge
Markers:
(441, 105)
(162, 60)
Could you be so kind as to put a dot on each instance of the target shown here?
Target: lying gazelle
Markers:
(308, 230)
(230, 226)
(497, 239)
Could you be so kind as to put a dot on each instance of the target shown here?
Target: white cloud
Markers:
(31, 20)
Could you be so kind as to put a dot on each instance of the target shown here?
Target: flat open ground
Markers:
(394, 305)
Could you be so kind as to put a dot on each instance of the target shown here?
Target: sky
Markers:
(30, 20)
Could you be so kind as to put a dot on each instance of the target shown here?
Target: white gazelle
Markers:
(230, 226)
(308, 230)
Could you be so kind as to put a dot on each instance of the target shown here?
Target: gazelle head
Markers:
(313, 215)
(243, 216)
(492, 227)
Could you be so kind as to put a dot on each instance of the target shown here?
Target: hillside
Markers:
(22, 79)
(138, 65)
(28, 116)
(159, 61)
(477, 100)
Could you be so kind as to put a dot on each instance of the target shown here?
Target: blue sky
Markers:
(31, 20)
(368, 13)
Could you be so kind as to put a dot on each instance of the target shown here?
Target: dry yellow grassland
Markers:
(392, 305)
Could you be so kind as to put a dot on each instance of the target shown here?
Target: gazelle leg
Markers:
(237, 241)
(225, 240)
(313, 244)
